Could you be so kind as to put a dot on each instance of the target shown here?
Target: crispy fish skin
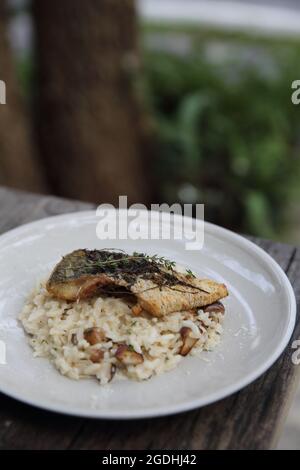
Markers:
(83, 274)
(78, 275)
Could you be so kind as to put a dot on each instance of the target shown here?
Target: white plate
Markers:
(260, 317)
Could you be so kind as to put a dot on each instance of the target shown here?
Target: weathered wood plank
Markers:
(21, 426)
(289, 375)
(281, 252)
(230, 423)
(18, 207)
(25, 427)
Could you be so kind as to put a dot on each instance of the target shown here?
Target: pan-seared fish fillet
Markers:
(179, 297)
(157, 286)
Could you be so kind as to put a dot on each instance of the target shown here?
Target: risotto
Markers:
(105, 338)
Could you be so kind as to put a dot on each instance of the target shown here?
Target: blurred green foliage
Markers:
(227, 133)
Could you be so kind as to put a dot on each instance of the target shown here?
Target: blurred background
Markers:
(162, 100)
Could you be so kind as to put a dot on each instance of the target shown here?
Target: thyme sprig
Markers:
(114, 262)
(161, 260)
(190, 273)
(128, 268)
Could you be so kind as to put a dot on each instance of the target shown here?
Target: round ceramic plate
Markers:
(259, 320)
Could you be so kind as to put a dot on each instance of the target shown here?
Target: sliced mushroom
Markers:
(128, 356)
(136, 310)
(94, 335)
(188, 342)
(97, 356)
(216, 307)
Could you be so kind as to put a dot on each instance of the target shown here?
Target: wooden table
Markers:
(249, 419)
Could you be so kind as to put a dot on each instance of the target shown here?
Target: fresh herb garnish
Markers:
(119, 265)
(190, 273)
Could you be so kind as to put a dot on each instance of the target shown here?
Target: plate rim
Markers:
(188, 405)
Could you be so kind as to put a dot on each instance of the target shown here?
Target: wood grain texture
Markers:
(249, 419)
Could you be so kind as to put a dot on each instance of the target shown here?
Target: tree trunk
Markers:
(90, 123)
(18, 167)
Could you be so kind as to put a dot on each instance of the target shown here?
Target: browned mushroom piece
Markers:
(128, 356)
(136, 310)
(94, 335)
(188, 342)
(216, 307)
(97, 356)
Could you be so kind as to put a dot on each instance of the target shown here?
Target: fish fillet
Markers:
(157, 287)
